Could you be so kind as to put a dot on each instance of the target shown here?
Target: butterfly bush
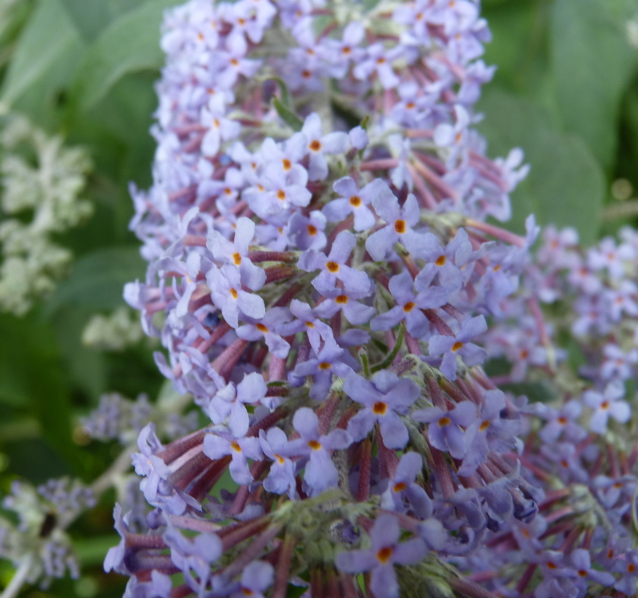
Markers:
(321, 276)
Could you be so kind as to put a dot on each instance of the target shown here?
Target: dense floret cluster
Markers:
(321, 275)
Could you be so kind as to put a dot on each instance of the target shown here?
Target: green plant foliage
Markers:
(565, 90)
(591, 62)
(130, 43)
(565, 184)
(31, 378)
(48, 50)
(98, 278)
(92, 16)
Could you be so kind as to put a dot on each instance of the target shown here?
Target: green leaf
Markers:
(592, 62)
(31, 369)
(92, 16)
(287, 115)
(49, 43)
(565, 185)
(128, 44)
(91, 551)
(98, 279)
(85, 367)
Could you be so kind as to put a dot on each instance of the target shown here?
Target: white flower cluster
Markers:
(40, 198)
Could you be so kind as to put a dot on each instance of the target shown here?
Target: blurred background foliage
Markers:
(566, 91)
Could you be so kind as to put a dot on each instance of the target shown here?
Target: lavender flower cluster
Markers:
(320, 272)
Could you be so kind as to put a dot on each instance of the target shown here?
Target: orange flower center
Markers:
(342, 299)
(315, 145)
(398, 487)
(399, 226)
(379, 408)
(237, 258)
(314, 445)
(444, 421)
(332, 267)
(408, 307)
(456, 346)
(383, 556)
(440, 261)
(233, 292)
(355, 201)
(261, 327)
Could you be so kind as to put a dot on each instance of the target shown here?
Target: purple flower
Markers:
(241, 449)
(339, 299)
(329, 361)
(236, 253)
(189, 271)
(220, 129)
(402, 494)
(444, 263)
(229, 403)
(346, 50)
(627, 566)
(256, 578)
(333, 266)
(380, 558)
(409, 306)
(157, 490)
(308, 232)
(607, 404)
(562, 421)
(228, 296)
(281, 477)
(268, 328)
(278, 191)
(568, 461)
(379, 60)
(454, 137)
(114, 560)
(581, 561)
(451, 346)
(488, 432)
(400, 220)
(383, 398)
(445, 431)
(353, 200)
(358, 136)
(307, 321)
(610, 256)
(194, 556)
(159, 586)
(320, 473)
(617, 363)
(318, 145)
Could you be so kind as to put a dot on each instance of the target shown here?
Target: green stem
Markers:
(387, 362)
(19, 578)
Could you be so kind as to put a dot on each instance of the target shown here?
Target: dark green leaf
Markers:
(86, 367)
(128, 44)
(49, 43)
(565, 185)
(31, 370)
(98, 279)
(287, 115)
(592, 62)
